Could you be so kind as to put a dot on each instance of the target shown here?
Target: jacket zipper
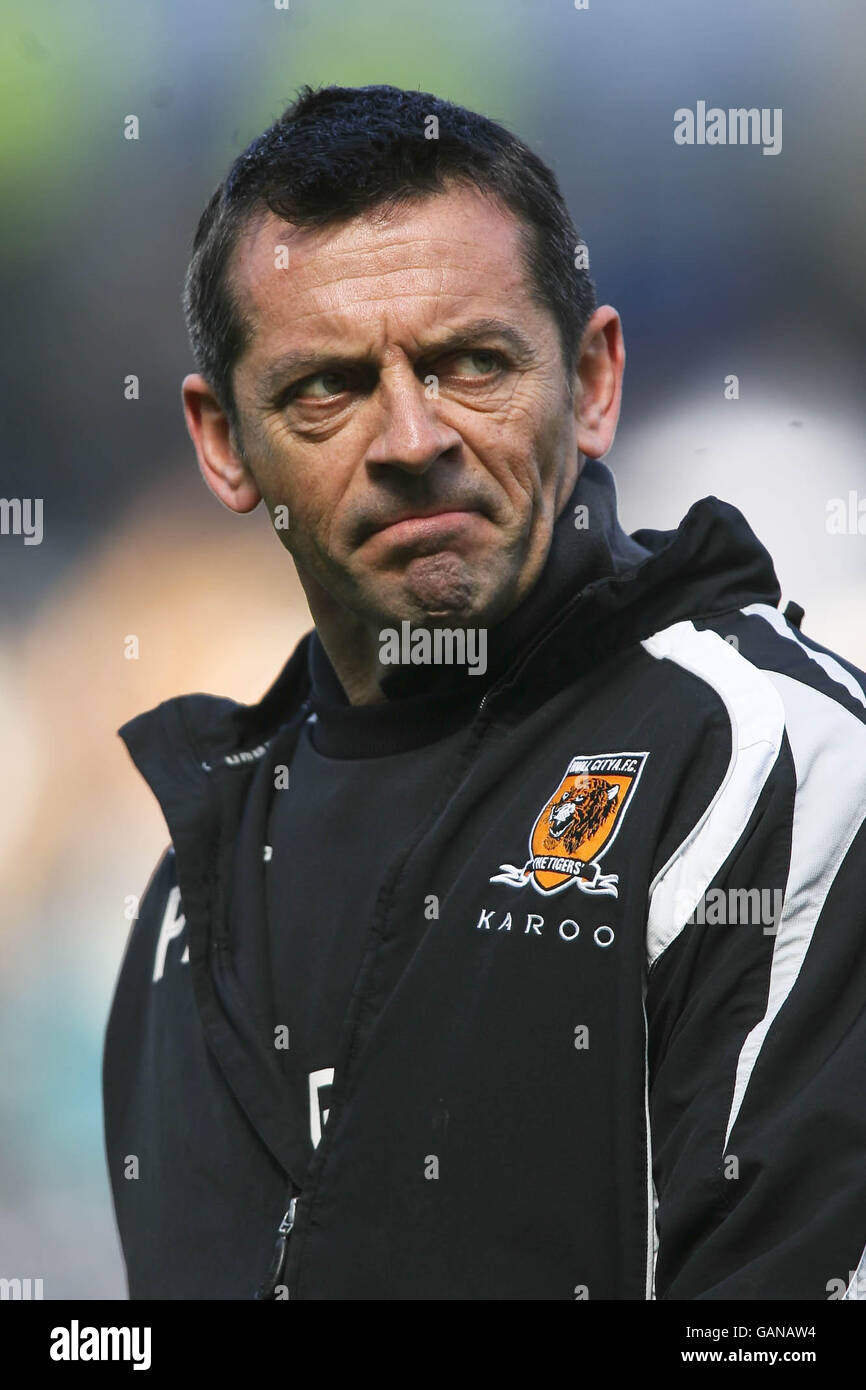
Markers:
(508, 676)
(276, 1272)
(267, 1289)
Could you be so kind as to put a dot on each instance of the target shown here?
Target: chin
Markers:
(440, 585)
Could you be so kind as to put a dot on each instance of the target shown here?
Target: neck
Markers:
(351, 645)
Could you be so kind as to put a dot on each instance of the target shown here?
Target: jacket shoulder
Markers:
(773, 644)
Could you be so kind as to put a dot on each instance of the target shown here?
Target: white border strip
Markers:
(652, 1246)
(856, 1290)
(757, 722)
(828, 744)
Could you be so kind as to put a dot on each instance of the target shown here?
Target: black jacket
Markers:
(624, 1057)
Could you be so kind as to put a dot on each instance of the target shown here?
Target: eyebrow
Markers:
(290, 363)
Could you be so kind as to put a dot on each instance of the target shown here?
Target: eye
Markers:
(321, 386)
(479, 362)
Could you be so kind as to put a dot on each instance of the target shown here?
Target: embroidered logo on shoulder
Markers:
(577, 826)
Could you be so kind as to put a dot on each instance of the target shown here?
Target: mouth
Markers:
(428, 525)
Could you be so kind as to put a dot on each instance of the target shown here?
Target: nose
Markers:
(411, 435)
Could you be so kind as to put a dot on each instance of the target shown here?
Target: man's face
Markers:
(399, 366)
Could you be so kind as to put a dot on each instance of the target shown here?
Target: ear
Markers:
(222, 466)
(599, 384)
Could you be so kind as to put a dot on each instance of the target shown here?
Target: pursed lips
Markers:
(429, 520)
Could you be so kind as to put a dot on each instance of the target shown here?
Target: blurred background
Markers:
(721, 261)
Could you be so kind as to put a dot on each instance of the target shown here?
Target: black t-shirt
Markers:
(357, 811)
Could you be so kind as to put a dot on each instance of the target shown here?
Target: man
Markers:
(512, 947)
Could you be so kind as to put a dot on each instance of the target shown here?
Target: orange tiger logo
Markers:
(577, 825)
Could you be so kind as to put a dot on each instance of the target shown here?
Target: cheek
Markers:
(518, 461)
(307, 498)
(285, 477)
(532, 433)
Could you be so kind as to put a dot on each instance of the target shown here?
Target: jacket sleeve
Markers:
(155, 944)
(756, 1017)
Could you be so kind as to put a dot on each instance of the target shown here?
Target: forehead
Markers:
(448, 255)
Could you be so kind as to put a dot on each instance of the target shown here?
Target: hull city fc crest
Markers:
(577, 826)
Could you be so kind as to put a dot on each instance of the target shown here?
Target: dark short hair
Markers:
(337, 152)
